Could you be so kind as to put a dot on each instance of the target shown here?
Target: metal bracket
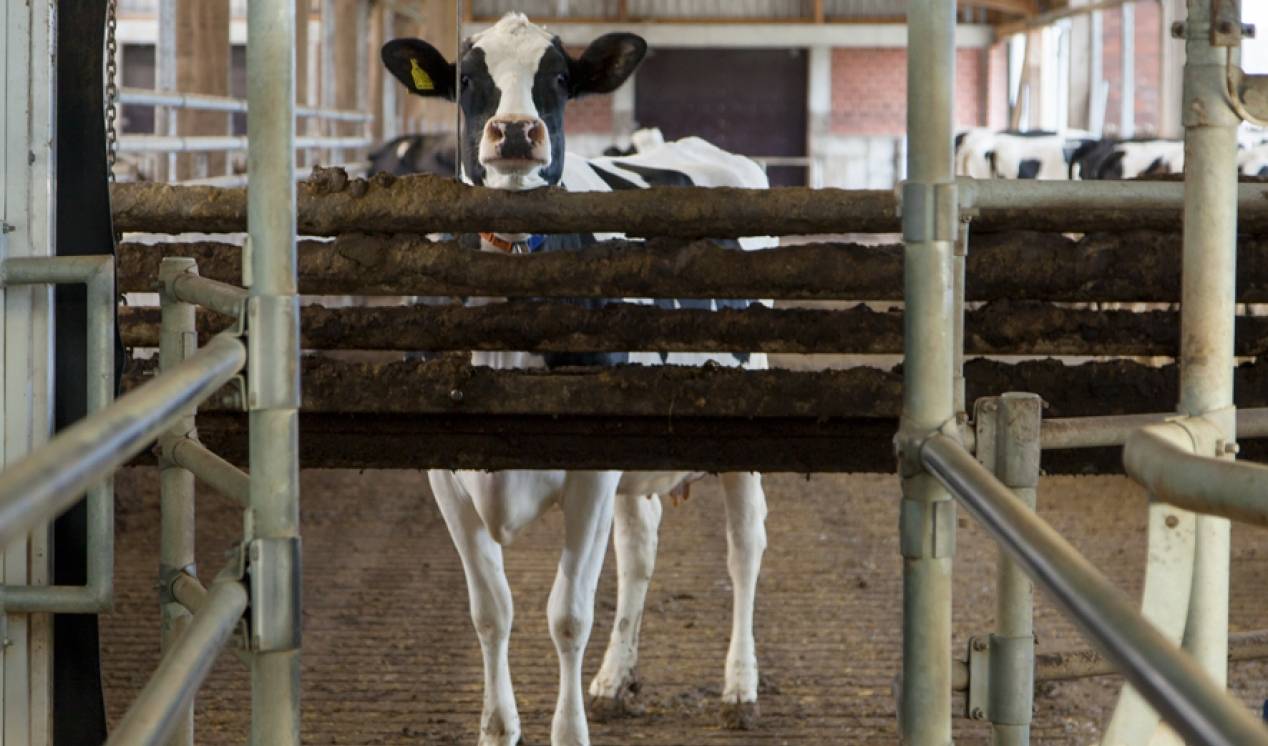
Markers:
(272, 319)
(274, 568)
(977, 703)
(962, 238)
(1226, 23)
(927, 528)
(930, 212)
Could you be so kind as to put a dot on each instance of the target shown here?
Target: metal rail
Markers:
(1164, 459)
(155, 713)
(205, 102)
(48, 481)
(97, 274)
(1101, 432)
(217, 143)
(1171, 681)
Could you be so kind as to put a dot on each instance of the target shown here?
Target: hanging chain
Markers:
(112, 86)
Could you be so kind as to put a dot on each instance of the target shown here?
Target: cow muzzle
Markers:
(515, 144)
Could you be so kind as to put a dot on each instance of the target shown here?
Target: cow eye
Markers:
(465, 82)
(562, 79)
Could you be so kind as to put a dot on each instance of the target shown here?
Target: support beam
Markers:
(202, 66)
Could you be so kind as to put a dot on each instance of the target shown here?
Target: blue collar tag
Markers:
(535, 242)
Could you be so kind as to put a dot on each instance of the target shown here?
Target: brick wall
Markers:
(997, 87)
(1148, 64)
(869, 90)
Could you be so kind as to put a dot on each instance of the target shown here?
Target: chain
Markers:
(112, 86)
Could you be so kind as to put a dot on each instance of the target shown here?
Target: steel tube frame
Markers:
(1208, 310)
(1200, 484)
(1172, 681)
(178, 340)
(210, 469)
(49, 480)
(1009, 446)
(157, 710)
(185, 287)
(1098, 432)
(215, 143)
(986, 195)
(930, 230)
(97, 274)
(273, 379)
(204, 102)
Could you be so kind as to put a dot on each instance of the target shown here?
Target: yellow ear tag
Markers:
(422, 81)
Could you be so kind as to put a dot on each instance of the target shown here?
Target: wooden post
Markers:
(202, 66)
(818, 11)
(378, 20)
(346, 64)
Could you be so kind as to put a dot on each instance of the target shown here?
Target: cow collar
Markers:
(529, 245)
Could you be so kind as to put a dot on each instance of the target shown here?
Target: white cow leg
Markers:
(491, 607)
(637, 521)
(587, 507)
(746, 541)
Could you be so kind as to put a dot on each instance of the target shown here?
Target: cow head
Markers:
(512, 82)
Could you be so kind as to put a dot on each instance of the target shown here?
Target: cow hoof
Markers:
(623, 705)
(740, 715)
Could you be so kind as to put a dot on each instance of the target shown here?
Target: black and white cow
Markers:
(1112, 159)
(416, 154)
(986, 154)
(512, 82)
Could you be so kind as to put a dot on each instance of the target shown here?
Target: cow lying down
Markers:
(512, 83)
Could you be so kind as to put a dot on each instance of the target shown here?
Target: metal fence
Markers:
(1185, 461)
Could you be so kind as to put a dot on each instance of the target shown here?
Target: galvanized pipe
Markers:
(1173, 683)
(1015, 462)
(211, 469)
(1100, 432)
(157, 710)
(273, 378)
(97, 274)
(188, 288)
(204, 102)
(930, 229)
(1202, 484)
(191, 594)
(178, 340)
(216, 143)
(49, 480)
(1002, 198)
(1208, 310)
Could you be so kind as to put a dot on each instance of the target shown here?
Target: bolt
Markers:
(1177, 30)
(979, 644)
(1232, 448)
(977, 713)
(1172, 521)
(1248, 30)
(455, 395)
(1225, 27)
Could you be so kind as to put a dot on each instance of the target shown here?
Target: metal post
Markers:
(1170, 680)
(930, 228)
(1008, 444)
(178, 339)
(1207, 311)
(273, 376)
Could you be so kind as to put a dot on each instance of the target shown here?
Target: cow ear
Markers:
(607, 63)
(420, 67)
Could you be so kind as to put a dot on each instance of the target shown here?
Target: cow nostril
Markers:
(534, 132)
(497, 132)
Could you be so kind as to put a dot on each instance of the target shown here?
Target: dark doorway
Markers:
(747, 101)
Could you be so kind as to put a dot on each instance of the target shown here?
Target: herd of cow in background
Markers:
(1070, 155)
(979, 153)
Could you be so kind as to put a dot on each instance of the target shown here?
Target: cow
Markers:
(512, 82)
(416, 154)
(1112, 159)
(1035, 154)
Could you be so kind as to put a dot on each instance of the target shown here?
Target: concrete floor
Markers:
(390, 656)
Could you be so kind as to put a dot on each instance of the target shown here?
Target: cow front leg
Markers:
(637, 521)
(491, 607)
(746, 541)
(587, 507)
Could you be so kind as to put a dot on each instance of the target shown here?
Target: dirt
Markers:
(390, 656)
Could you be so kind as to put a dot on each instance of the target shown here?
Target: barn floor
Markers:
(390, 657)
